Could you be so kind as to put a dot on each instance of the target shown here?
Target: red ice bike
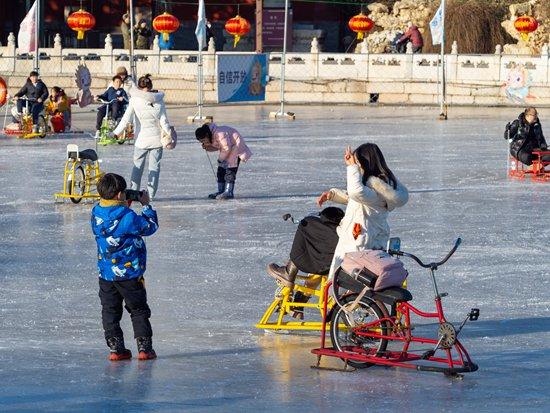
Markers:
(364, 322)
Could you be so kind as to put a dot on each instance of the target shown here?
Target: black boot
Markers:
(299, 297)
(118, 350)
(221, 188)
(228, 191)
(145, 348)
(286, 275)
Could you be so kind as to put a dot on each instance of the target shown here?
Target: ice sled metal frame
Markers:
(396, 328)
(76, 188)
(282, 305)
(536, 171)
(25, 130)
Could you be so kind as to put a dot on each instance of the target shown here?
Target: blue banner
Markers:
(241, 77)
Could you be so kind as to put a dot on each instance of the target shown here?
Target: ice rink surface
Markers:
(206, 278)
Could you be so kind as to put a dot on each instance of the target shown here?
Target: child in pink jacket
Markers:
(232, 150)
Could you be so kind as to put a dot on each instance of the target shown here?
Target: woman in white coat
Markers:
(151, 121)
(372, 192)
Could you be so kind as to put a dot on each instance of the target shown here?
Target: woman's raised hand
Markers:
(324, 197)
(349, 158)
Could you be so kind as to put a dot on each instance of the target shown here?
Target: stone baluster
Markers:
(545, 61)
(57, 55)
(314, 59)
(314, 45)
(211, 45)
(108, 58)
(451, 62)
(498, 60)
(11, 49)
(209, 60)
(408, 62)
(156, 49)
(156, 44)
(454, 48)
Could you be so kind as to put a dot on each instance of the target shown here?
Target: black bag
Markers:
(355, 282)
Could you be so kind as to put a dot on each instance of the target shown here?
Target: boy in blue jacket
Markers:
(119, 97)
(121, 263)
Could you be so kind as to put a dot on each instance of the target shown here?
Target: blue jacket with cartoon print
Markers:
(118, 230)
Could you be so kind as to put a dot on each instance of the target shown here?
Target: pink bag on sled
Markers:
(390, 271)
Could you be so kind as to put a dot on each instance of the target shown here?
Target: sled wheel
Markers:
(42, 126)
(76, 185)
(344, 339)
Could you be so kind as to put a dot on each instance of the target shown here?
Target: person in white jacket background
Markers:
(372, 192)
(151, 121)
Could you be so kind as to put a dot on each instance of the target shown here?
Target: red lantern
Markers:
(237, 26)
(3, 92)
(166, 24)
(80, 21)
(525, 25)
(360, 24)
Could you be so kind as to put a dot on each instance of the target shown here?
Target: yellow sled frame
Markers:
(282, 305)
(84, 189)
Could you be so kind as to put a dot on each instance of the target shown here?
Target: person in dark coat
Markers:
(526, 136)
(142, 35)
(312, 251)
(414, 36)
(125, 30)
(35, 90)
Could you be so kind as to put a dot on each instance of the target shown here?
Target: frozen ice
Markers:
(206, 279)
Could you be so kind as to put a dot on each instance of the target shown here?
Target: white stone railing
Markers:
(314, 66)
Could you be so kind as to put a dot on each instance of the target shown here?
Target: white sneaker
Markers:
(96, 134)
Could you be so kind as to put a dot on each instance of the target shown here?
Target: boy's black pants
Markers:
(134, 295)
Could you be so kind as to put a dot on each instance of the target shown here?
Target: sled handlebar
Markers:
(287, 217)
(431, 265)
(106, 102)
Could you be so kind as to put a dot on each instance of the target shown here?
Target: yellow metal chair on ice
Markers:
(81, 175)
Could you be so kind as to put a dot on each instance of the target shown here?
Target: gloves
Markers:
(223, 164)
(111, 135)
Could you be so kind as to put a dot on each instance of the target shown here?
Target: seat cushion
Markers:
(88, 154)
(393, 295)
(388, 296)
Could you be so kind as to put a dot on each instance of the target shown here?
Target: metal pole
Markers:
(283, 62)
(443, 100)
(133, 71)
(36, 38)
(259, 23)
(199, 82)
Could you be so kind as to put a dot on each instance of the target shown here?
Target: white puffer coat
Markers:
(150, 118)
(367, 205)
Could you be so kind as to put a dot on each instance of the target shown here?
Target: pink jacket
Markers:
(230, 143)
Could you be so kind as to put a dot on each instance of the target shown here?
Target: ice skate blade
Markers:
(342, 370)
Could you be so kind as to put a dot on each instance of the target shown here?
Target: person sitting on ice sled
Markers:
(121, 260)
(232, 150)
(525, 136)
(311, 252)
(372, 192)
